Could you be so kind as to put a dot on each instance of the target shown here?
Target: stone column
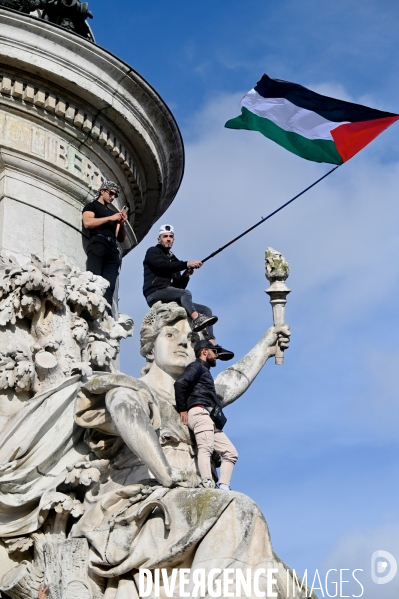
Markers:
(72, 114)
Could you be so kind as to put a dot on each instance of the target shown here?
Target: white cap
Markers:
(166, 229)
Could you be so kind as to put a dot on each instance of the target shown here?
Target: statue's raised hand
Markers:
(279, 337)
(235, 380)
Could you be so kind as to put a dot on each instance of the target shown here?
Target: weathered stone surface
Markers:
(54, 324)
(54, 330)
(277, 267)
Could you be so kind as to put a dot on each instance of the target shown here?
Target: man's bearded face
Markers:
(166, 240)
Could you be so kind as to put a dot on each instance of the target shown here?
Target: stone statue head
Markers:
(166, 338)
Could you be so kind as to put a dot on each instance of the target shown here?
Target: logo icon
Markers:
(379, 564)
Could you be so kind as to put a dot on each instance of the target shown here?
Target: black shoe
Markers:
(225, 354)
(203, 321)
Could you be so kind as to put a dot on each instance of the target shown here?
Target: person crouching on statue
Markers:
(105, 227)
(164, 282)
(201, 409)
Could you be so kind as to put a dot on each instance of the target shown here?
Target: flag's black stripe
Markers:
(329, 108)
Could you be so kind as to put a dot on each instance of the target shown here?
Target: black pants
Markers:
(103, 259)
(182, 297)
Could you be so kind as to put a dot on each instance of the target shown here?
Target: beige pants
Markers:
(208, 439)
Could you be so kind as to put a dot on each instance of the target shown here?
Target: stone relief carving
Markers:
(54, 330)
(98, 476)
(55, 324)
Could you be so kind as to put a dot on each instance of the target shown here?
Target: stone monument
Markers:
(98, 476)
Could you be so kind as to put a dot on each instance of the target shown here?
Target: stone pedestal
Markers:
(71, 115)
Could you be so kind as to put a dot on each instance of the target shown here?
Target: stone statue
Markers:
(70, 14)
(25, 6)
(54, 330)
(98, 476)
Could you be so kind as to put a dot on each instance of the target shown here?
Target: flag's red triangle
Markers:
(353, 137)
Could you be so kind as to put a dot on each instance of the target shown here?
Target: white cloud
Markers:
(354, 551)
(331, 89)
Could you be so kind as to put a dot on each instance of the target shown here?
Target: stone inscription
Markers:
(22, 135)
(49, 103)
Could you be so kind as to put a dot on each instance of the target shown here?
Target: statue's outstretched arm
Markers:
(135, 428)
(235, 380)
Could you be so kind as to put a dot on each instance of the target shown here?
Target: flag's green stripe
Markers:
(318, 150)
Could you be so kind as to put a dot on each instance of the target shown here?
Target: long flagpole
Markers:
(269, 216)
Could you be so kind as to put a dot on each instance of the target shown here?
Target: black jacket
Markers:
(195, 387)
(162, 269)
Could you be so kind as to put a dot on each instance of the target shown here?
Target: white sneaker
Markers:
(207, 483)
(224, 487)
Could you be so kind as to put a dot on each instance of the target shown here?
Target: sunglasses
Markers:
(166, 235)
(215, 351)
(112, 193)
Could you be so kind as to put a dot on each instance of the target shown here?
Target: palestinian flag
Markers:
(312, 126)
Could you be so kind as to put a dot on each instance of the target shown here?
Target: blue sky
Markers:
(317, 437)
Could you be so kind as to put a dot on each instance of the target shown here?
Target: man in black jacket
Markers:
(195, 399)
(163, 281)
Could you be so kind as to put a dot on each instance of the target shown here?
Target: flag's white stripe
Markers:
(289, 117)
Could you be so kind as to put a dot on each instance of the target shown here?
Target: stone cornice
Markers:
(53, 104)
(125, 115)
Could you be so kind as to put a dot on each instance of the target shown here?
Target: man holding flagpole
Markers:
(164, 282)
